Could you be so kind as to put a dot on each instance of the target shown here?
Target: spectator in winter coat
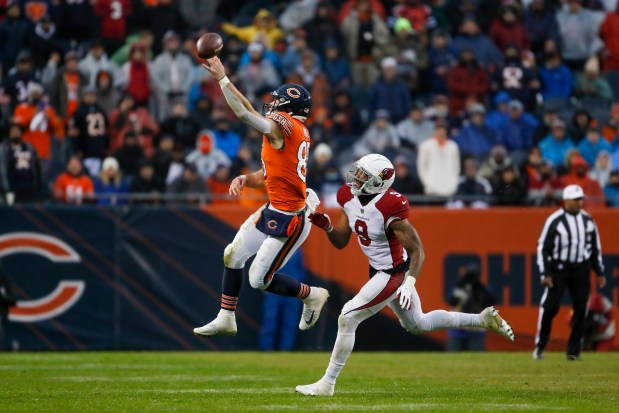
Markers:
(20, 171)
(579, 28)
(336, 67)
(609, 33)
(540, 24)
(107, 95)
(380, 137)
(207, 156)
(16, 84)
(76, 20)
(227, 140)
(172, 75)
(130, 156)
(557, 80)
(44, 41)
(136, 76)
(407, 183)
(67, 86)
(438, 163)
(127, 117)
(513, 77)
(410, 51)
(259, 76)
(416, 128)
(147, 183)
(496, 162)
(602, 168)
(509, 190)
(14, 36)
(111, 186)
(347, 124)
(500, 115)
(592, 145)
(162, 18)
(96, 61)
(594, 196)
(441, 58)
(470, 38)
(475, 137)
(264, 29)
(508, 30)
(473, 190)
(555, 146)
(544, 189)
(611, 190)
(591, 84)
(189, 185)
(467, 82)
(389, 93)
(365, 35)
(181, 126)
(580, 124)
(322, 30)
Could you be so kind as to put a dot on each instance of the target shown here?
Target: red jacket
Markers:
(464, 84)
(609, 33)
(113, 14)
(503, 34)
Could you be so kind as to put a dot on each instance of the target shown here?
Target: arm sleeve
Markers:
(259, 123)
(596, 253)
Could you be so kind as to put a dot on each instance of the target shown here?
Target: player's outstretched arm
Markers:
(242, 107)
(407, 235)
(338, 236)
(252, 180)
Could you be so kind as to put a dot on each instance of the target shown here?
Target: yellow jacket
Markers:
(269, 35)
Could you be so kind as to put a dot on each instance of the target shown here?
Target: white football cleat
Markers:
(312, 306)
(223, 325)
(320, 388)
(493, 322)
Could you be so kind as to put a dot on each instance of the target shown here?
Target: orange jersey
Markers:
(285, 169)
(39, 127)
(73, 189)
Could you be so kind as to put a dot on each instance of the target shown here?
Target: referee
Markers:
(566, 251)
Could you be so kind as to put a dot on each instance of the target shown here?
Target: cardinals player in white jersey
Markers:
(378, 215)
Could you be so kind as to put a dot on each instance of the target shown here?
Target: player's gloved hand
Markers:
(237, 185)
(321, 221)
(405, 292)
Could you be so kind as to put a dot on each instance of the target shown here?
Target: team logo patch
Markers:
(387, 173)
(272, 224)
(293, 92)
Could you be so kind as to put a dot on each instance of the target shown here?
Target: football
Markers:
(208, 45)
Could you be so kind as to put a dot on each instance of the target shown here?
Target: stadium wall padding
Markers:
(98, 278)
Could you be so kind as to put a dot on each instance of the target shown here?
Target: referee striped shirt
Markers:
(569, 241)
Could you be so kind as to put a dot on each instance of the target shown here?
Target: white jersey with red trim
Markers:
(371, 224)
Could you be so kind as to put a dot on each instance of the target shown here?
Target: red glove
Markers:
(321, 221)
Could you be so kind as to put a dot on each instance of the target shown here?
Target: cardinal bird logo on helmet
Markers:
(386, 173)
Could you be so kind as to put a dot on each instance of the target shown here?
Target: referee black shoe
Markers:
(571, 357)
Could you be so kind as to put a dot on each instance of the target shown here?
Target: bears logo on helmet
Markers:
(290, 98)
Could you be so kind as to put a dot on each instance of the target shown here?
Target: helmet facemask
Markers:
(361, 181)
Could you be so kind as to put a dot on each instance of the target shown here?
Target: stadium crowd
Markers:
(477, 102)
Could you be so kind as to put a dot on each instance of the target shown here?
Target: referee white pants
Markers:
(272, 253)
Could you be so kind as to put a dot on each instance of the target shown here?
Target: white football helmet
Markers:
(370, 175)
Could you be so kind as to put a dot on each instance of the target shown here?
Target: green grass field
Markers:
(370, 382)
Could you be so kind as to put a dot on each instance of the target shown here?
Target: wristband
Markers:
(223, 81)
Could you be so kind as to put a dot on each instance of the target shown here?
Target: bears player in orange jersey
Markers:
(280, 226)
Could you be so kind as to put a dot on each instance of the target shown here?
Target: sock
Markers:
(231, 284)
(287, 286)
(440, 319)
(344, 344)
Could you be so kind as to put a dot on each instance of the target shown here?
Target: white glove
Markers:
(312, 200)
(405, 292)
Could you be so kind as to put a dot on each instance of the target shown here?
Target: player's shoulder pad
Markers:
(344, 195)
(393, 203)
(284, 120)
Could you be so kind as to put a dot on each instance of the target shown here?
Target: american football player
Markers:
(280, 226)
(378, 216)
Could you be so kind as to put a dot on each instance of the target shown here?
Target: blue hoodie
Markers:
(555, 150)
(557, 82)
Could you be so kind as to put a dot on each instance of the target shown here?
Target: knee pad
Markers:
(230, 259)
(410, 327)
(256, 278)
